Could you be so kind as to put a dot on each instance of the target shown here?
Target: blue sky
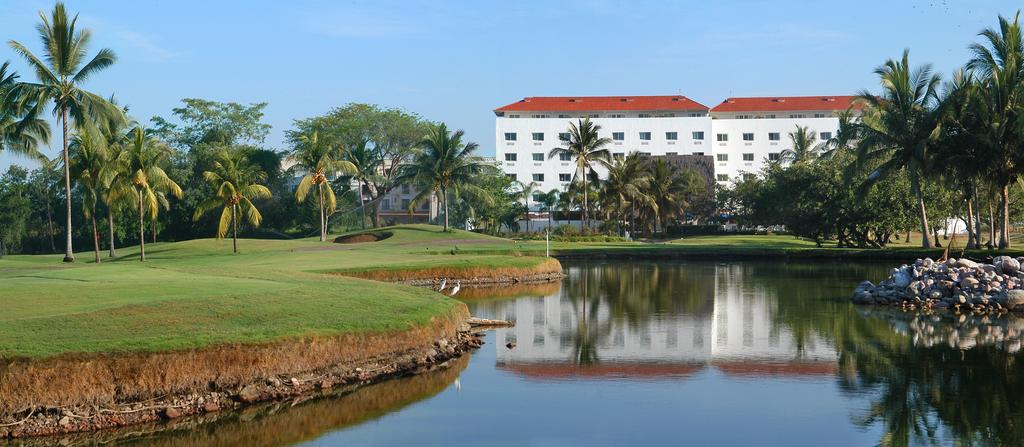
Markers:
(455, 61)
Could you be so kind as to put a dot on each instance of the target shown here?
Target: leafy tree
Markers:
(587, 149)
(627, 187)
(444, 164)
(89, 161)
(61, 71)
(210, 122)
(21, 129)
(236, 182)
(525, 192)
(15, 208)
(548, 203)
(670, 190)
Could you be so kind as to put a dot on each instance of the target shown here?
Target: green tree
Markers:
(548, 203)
(15, 208)
(899, 127)
(318, 160)
(626, 188)
(143, 159)
(999, 59)
(803, 147)
(444, 164)
(235, 181)
(587, 149)
(61, 71)
(670, 190)
(21, 129)
(525, 192)
(89, 161)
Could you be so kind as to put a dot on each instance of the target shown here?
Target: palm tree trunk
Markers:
(527, 214)
(95, 237)
(915, 183)
(69, 254)
(142, 230)
(234, 229)
(977, 215)
(1004, 210)
(585, 204)
(362, 207)
(991, 227)
(323, 231)
(444, 199)
(110, 227)
(152, 230)
(971, 244)
(49, 223)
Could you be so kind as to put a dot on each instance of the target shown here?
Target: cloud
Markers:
(145, 45)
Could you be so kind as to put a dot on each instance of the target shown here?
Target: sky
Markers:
(456, 61)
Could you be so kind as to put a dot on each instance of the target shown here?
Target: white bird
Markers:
(444, 282)
(458, 285)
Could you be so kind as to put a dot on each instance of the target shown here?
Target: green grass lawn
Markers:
(197, 293)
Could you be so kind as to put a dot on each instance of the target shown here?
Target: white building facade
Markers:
(743, 134)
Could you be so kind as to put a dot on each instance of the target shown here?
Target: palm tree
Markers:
(61, 71)
(366, 164)
(526, 191)
(548, 201)
(628, 179)
(88, 165)
(318, 160)
(587, 148)
(999, 59)
(142, 158)
(444, 164)
(898, 128)
(804, 146)
(21, 130)
(118, 189)
(235, 181)
(669, 189)
(960, 151)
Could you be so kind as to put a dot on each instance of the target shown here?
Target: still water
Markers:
(680, 353)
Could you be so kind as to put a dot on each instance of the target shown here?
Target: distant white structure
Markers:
(741, 133)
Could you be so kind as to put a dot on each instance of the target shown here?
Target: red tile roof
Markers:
(602, 103)
(795, 368)
(786, 104)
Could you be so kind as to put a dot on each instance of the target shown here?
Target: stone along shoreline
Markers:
(959, 285)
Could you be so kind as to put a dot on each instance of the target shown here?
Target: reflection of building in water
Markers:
(564, 334)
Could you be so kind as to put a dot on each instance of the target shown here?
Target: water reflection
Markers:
(928, 379)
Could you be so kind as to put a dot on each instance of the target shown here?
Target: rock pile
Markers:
(961, 285)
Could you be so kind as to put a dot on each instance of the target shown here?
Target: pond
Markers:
(696, 353)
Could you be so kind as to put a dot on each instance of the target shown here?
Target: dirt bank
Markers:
(547, 270)
(72, 394)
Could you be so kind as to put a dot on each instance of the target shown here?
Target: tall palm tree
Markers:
(587, 148)
(443, 165)
(804, 146)
(142, 158)
(118, 192)
(999, 59)
(898, 128)
(669, 189)
(235, 181)
(89, 160)
(319, 160)
(61, 71)
(525, 192)
(626, 186)
(21, 129)
(367, 166)
(960, 149)
(548, 201)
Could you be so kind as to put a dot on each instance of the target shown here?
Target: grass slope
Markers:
(197, 293)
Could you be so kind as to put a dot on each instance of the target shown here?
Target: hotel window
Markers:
(646, 136)
(538, 136)
(644, 154)
(819, 115)
(672, 136)
(825, 136)
(406, 189)
(618, 155)
(511, 157)
(699, 154)
(696, 115)
(536, 197)
(770, 116)
(722, 137)
(385, 204)
(511, 177)
(564, 156)
(405, 204)
(592, 115)
(748, 137)
(723, 177)
(773, 136)
(538, 177)
(563, 116)
(616, 115)
(773, 156)
(510, 136)
(538, 157)
(670, 154)
(645, 115)
(748, 177)
(698, 135)
(539, 116)
(798, 115)
(743, 117)
(722, 157)
(563, 136)
(748, 157)
(514, 116)
(565, 177)
(618, 136)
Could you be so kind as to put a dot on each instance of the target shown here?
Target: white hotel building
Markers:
(743, 134)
